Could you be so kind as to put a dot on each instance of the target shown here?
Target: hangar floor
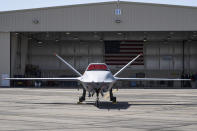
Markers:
(137, 109)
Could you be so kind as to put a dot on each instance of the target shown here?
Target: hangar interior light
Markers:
(101, 36)
(57, 40)
(40, 42)
(119, 33)
(76, 38)
(145, 39)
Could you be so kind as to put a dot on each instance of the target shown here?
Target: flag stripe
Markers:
(110, 60)
(130, 53)
(131, 48)
(121, 52)
(118, 56)
(124, 63)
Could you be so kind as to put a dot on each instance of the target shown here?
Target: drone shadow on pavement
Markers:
(117, 106)
(102, 105)
(123, 105)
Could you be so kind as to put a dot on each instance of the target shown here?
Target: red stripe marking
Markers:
(97, 67)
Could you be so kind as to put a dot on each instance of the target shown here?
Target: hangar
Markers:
(107, 32)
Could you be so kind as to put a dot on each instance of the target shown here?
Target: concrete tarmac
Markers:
(31, 109)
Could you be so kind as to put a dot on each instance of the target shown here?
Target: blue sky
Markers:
(7, 5)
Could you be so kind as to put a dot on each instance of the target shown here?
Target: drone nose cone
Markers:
(98, 76)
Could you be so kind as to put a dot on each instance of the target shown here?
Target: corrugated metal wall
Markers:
(169, 56)
(101, 17)
(79, 55)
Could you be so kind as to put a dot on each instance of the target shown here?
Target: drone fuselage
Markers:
(97, 77)
(97, 80)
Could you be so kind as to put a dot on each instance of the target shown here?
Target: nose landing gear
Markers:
(97, 103)
(112, 98)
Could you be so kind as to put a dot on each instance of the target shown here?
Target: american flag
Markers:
(121, 52)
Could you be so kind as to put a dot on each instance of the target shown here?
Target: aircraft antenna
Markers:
(127, 65)
(68, 64)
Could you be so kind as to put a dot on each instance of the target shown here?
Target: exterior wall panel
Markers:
(101, 17)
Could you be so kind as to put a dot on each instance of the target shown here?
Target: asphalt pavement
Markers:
(37, 109)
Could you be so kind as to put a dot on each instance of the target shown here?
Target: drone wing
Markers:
(42, 79)
(151, 79)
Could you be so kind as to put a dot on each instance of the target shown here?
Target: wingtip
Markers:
(55, 54)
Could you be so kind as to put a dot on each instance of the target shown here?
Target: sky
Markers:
(7, 5)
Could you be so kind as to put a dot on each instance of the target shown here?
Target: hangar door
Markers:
(31, 54)
(78, 54)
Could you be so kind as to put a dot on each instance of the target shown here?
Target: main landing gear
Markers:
(112, 98)
(83, 97)
(97, 103)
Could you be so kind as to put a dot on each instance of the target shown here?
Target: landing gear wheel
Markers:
(82, 98)
(113, 99)
(79, 102)
(97, 98)
(97, 103)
